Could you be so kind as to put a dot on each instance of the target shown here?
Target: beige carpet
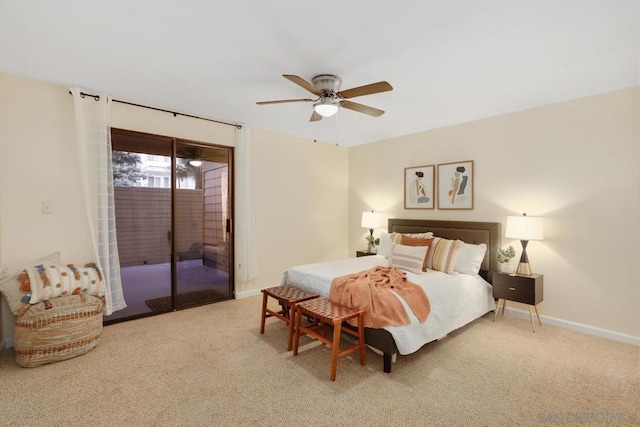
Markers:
(209, 366)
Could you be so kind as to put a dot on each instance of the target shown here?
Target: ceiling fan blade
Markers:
(365, 90)
(303, 83)
(362, 108)
(282, 101)
(315, 117)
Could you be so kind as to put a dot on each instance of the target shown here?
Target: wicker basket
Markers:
(58, 329)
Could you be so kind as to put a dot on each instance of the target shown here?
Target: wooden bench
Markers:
(288, 297)
(322, 311)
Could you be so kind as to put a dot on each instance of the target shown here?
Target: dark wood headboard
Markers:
(489, 233)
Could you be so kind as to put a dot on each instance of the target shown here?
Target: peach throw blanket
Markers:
(373, 290)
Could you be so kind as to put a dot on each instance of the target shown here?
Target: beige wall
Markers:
(301, 187)
(38, 163)
(301, 200)
(575, 163)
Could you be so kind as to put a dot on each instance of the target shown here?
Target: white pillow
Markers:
(470, 258)
(408, 258)
(386, 240)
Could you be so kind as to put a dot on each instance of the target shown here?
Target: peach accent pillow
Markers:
(398, 236)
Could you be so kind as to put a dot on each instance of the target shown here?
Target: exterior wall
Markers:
(574, 163)
(143, 221)
(216, 246)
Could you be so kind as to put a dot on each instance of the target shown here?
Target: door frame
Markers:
(146, 139)
(174, 218)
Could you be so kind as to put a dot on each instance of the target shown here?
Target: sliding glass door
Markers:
(202, 217)
(173, 212)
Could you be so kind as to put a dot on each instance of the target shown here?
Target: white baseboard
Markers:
(6, 343)
(247, 294)
(579, 327)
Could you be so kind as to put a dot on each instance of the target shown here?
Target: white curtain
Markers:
(246, 255)
(93, 144)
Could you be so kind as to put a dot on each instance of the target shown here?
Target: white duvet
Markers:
(456, 299)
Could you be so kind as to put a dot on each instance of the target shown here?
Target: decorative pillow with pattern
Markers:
(442, 254)
(10, 285)
(410, 258)
(47, 282)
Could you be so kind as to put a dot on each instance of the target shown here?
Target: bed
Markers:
(456, 299)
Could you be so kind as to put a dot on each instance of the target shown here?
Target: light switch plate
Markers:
(47, 207)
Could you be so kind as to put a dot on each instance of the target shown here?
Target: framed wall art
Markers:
(455, 185)
(419, 187)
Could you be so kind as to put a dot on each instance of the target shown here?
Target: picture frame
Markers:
(455, 185)
(419, 187)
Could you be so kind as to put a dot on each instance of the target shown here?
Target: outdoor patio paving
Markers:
(143, 282)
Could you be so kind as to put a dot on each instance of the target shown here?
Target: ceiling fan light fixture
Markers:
(330, 98)
(195, 163)
(326, 107)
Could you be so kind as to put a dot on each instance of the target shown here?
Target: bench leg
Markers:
(335, 348)
(264, 312)
(292, 319)
(296, 338)
(363, 360)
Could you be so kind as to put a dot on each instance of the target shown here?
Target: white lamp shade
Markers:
(326, 109)
(371, 219)
(524, 228)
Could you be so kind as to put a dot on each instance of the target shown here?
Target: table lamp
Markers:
(524, 228)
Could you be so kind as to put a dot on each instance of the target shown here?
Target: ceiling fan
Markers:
(329, 96)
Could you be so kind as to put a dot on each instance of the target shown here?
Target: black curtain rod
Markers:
(97, 98)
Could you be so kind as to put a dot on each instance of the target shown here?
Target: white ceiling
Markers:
(448, 61)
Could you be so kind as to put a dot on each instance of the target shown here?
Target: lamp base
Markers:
(524, 269)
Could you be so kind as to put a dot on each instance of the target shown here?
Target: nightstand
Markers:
(363, 253)
(514, 287)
